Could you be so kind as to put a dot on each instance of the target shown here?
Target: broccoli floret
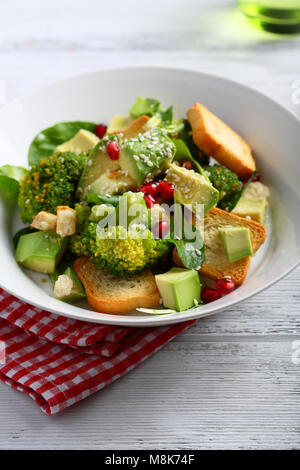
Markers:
(83, 244)
(115, 250)
(227, 183)
(50, 183)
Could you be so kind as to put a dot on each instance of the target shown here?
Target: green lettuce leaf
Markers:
(46, 141)
(9, 182)
(190, 250)
(151, 107)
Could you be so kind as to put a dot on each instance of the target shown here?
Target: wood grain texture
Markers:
(229, 381)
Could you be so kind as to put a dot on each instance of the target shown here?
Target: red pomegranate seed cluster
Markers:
(150, 201)
(113, 150)
(100, 130)
(223, 287)
(166, 190)
(150, 188)
(153, 190)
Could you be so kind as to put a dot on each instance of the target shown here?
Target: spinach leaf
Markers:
(141, 106)
(15, 172)
(46, 141)
(9, 182)
(183, 153)
(190, 249)
(93, 198)
(186, 136)
(151, 107)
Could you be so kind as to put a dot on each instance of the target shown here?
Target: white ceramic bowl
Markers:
(273, 133)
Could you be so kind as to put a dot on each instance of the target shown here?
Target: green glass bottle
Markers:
(277, 16)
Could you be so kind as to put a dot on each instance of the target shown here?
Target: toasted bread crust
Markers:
(221, 142)
(135, 128)
(216, 266)
(144, 294)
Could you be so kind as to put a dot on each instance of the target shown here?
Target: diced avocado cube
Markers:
(146, 155)
(97, 164)
(114, 182)
(82, 142)
(236, 242)
(254, 207)
(132, 210)
(103, 210)
(40, 251)
(68, 287)
(192, 188)
(118, 124)
(179, 288)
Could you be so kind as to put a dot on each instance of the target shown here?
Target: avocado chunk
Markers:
(97, 164)
(179, 288)
(103, 210)
(68, 287)
(82, 142)
(114, 182)
(254, 207)
(192, 188)
(146, 155)
(40, 251)
(132, 211)
(118, 124)
(236, 242)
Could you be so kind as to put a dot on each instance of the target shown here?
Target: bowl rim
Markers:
(149, 321)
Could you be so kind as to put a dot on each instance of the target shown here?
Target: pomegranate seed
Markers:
(225, 285)
(209, 295)
(149, 200)
(161, 229)
(113, 150)
(166, 189)
(187, 164)
(100, 130)
(150, 188)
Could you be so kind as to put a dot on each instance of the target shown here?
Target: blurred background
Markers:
(45, 41)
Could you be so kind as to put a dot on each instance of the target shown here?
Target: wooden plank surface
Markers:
(229, 381)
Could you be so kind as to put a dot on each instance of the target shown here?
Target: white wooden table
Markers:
(229, 381)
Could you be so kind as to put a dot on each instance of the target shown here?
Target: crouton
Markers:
(66, 221)
(217, 139)
(135, 128)
(44, 221)
(111, 294)
(216, 264)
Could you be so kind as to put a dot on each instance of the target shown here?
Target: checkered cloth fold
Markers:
(58, 361)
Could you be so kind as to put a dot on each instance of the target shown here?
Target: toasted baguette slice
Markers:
(135, 128)
(110, 294)
(216, 265)
(218, 140)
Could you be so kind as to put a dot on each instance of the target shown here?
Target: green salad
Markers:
(131, 197)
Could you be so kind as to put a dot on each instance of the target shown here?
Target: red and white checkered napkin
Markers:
(58, 361)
